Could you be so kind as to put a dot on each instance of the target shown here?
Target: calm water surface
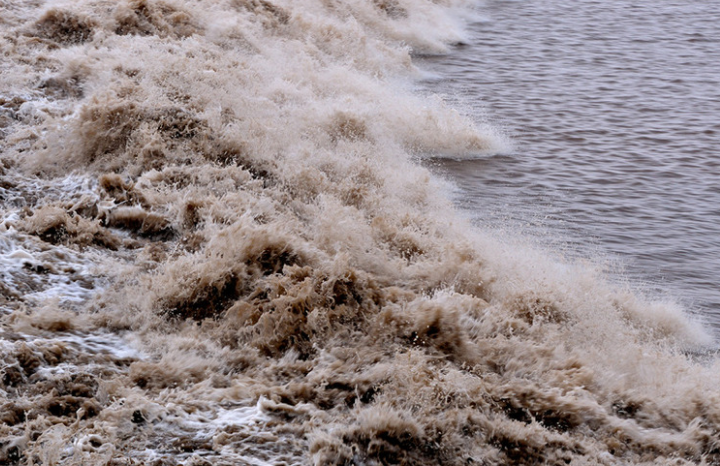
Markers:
(614, 110)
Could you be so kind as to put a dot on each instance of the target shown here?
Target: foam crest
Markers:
(283, 282)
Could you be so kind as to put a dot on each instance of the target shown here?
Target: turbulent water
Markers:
(221, 244)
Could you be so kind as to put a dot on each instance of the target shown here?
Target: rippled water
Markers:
(614, 110)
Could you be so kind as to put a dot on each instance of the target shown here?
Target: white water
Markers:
(267, 273)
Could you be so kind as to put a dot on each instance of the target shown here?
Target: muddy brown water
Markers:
(228, 236)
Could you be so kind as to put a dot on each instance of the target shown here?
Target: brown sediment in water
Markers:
(295, 288)
(64, 27)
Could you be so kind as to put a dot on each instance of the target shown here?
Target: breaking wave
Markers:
(218, 247)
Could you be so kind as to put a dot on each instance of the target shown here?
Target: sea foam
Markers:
(287, 285)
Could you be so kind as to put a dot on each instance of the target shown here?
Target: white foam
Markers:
(319, 94)
(102, 343)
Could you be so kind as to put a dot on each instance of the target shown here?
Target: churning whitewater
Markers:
(219, 247)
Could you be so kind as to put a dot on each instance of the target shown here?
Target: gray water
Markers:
(614, 110)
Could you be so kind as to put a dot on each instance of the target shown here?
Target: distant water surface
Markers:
(614, 110)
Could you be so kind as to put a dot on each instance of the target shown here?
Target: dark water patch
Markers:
(150, 17)
(122, 191)
(145, 224)
(298, 309)
(56, 226)
(65, 85)
(65, 27)
(391, 8)
(271, 14)
(208, 300)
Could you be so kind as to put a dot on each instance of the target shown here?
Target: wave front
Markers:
(219, 248)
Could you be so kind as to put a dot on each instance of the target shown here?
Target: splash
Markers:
(247, 265)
